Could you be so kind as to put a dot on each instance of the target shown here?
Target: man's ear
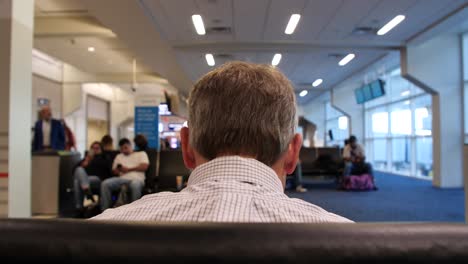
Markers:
(187, 151)
(292, 157)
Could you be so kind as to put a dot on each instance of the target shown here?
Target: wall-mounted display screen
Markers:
(369, 91)
(359, 96)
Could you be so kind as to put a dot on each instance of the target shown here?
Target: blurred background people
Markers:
(354, 157)
(89, 174)
(130, 167)
(70, 141)
(107, 143)
(141, 143)
(49, 133)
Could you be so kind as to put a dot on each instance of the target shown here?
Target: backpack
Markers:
(364, 182)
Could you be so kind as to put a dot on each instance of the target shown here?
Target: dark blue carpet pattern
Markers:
(399, 198)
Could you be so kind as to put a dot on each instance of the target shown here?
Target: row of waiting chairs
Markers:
(321, 161)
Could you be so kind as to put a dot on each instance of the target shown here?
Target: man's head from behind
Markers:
(243, 109)
(46, 113)
(352, 141)
(125, 146)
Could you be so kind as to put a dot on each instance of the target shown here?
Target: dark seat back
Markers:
(307, 157)
(151, 172)
(333, 152)
(96, 241)
(171, 164)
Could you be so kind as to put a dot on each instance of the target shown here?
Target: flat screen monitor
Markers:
(359, 96)
(366, 90)
(377, 89)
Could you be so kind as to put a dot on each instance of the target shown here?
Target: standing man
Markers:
(49, 133)
(354, 157)
(130, 167)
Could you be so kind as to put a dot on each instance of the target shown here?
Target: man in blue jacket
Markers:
(48, 132)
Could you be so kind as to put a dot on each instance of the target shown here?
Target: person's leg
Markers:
(80, 182)
(136, 187)
(369, 169)
(298, 178)
(94, 183)
(107, 187)
(348, 168)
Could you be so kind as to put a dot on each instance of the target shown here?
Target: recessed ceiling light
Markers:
(293, 21)
(390, 25)
(276, 59)
(405, 93)
(303, 93)
(317, 82)
(346, 59)
(198, 24)
(210, 59)
(91, 49)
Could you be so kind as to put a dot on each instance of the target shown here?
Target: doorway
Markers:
(97, 119)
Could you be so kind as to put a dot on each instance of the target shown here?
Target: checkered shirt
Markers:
(226, 189)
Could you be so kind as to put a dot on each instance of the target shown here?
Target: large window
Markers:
(337, 126)
(398, 129)
(465, 78)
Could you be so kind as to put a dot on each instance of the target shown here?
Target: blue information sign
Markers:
(147, 123)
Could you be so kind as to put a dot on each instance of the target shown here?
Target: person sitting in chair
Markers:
(89, 174)
(354, 157)
(130, 167)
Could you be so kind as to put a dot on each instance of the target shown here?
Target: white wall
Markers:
(46, 66)
(314, 111)
(121, 108)
(45, 88)
(343, 99)
(436, 67)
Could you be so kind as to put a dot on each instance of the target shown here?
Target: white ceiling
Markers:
(71, 45)
(325, 30)
(324, 33)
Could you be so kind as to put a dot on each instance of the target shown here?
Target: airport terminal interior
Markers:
(392, 74)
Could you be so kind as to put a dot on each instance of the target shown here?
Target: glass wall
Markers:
(465, 78)
(398, 129)
(337, 126)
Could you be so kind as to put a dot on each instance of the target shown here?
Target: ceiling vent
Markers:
(364, 31)
(336, 55)
(219, 30)
(224, 56)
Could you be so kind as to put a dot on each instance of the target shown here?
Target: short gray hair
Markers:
(242, 109)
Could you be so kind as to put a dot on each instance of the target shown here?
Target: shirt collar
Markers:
(236, 168)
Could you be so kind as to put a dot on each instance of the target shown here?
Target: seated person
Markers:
(130, 167)
(141, 143)
(298, 178)
(93, 169)
(354, 157)
(241, 144)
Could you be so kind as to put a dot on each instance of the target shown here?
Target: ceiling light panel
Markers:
(390, 25)
(346, 59)
(292, 24)
(276, 59)
(198, 24)
(317, 82)
(210, 59)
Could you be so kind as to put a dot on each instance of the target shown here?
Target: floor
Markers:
(399, 198)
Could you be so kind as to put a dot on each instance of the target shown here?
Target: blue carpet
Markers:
(399, 198)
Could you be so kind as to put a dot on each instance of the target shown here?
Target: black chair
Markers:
(171, 164)
(149, 242)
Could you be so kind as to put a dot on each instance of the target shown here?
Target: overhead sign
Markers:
(147, 119)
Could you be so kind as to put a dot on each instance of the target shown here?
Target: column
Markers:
(16, 39)
(435, 66)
